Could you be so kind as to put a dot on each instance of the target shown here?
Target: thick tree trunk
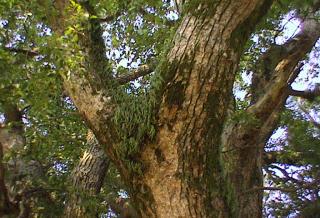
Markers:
(201, 166)
(87, 179)
(189, 179)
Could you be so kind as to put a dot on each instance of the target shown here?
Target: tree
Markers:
(178, 140)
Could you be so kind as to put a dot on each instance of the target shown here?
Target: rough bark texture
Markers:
(87, 179)
(199, 165)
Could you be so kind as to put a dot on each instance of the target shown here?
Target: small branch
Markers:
(143, 70)
(298, 183)
(284, 173)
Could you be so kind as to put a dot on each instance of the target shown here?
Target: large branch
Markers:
(295, 50)
(92, 88)
(272, 91)
(87, 88)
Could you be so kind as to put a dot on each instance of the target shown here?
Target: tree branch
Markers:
(143, 70)
(27, 52)
(307, 94)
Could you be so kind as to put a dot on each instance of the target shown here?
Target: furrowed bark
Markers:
(87, 179)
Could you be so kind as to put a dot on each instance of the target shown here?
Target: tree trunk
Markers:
(87, 179)
(190, 180)
(11, 140)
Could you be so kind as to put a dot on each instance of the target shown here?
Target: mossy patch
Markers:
(175, 95)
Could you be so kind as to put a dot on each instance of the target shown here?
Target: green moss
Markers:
(229, 193)
(135, 113)
(175, 95)
(134, 120)
(216, 173)
(135, 116)
(207, 7)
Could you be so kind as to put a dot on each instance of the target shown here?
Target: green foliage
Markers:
(299, 164)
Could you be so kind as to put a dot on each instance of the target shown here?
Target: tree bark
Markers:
(86, 180)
